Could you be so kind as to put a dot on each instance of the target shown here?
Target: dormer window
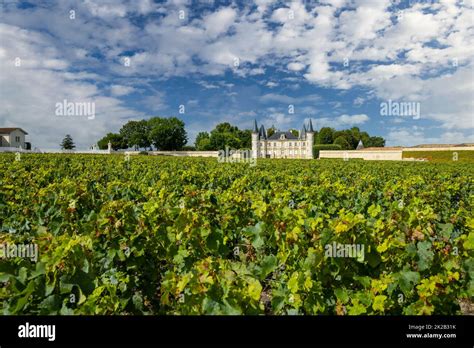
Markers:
(282, 137)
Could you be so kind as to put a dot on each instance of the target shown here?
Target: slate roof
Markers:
(262, 134)
(288, 135)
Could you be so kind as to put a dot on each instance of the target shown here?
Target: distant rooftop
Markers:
(288, 135)
(9, 130)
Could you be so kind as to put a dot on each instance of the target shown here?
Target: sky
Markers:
(206, 62)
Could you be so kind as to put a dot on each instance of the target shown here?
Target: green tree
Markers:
(326, 135)
(227, 135)
(203, 141)
(245, 137)
(167, 134)
(67, 143)
(375, 142)
(355, 136)
(115, 139)
(136, 134)
(342, 142)
(364, 136)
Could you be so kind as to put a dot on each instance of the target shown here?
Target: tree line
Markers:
(165, 134)
(347, 139)
(168, 134)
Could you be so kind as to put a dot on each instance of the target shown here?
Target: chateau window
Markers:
(304, 144)
(291, 144)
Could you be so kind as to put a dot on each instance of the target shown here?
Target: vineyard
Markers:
(162, 235)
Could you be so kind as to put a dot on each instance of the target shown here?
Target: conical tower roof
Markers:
(262, 134)
(303, 132)
(311, 126)
(255, 127)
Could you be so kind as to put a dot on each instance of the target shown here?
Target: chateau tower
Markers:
(309, 140)
(255, 140)
(263, 136)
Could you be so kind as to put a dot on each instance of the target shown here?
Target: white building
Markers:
(13, 137)
(282, 144)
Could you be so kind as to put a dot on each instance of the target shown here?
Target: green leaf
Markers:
(342, 295)
(469, 243)
(407, 281)
(268, 265)
(425, 255)
(446, 230)
(356, 309)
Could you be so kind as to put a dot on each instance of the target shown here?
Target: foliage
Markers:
(318, 147)
(348, 139)
(224, 134)
(325, 136)
(116, 140)
(68, 143)
(136, 134)
(342, 142)
(188, 148)
(375, 142)
(165, 235)
(167, 134)
(203, 142)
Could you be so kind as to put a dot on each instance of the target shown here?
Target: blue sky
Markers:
(334, 61)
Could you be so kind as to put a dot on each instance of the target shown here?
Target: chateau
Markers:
(282, 144)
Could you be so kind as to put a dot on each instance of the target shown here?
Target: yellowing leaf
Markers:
(378, 304)
(254, 289)
(293, 283)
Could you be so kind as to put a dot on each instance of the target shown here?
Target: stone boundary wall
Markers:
(386, 155)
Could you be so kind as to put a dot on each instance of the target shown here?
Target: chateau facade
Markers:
(282, 144)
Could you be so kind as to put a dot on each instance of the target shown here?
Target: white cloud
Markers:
(219, 22)
(120, 90)
(417, 136)
(410, 58)
(31, 91)
(342, 121)
(295, 66)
